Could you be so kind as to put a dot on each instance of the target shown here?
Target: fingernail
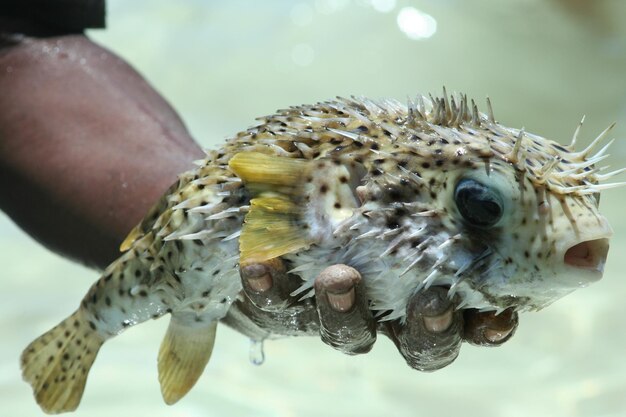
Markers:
(342, 302)
(260, 284)
(495, 336)
(438, 324)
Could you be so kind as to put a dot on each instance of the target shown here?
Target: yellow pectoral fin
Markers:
(261, 169)
(271, 229)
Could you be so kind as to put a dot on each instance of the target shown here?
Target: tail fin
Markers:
(57, 363)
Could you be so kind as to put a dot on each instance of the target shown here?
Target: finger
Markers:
(267, 284)
(269, 304)
(346, 323)
(430, 339)
(489, 329)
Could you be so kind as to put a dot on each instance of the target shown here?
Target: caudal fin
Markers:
(57, 363)
(184, 353)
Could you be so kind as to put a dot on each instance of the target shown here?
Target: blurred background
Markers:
(544, 63)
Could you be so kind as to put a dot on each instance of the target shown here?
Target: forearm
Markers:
(86, 145)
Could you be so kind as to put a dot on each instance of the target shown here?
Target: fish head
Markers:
(515, 215)
(521, 241)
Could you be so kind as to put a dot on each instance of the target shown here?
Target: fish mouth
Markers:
(589, 255)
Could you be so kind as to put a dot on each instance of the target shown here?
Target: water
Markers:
(221, 64)
(257, 355)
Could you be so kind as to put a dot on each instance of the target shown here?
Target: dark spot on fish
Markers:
(425, 165)
(92, 325)
(323, 188)
(343, 179)
(392, 224)
(395, 194)
(143, 293)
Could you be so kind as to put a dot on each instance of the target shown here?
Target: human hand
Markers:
(429, 339)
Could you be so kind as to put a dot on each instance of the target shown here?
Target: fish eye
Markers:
(479, 204)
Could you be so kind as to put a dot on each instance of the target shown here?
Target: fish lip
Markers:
(588, 255)
(584, 261)
(586, 251)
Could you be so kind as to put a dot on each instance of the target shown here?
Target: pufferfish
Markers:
(431, 193)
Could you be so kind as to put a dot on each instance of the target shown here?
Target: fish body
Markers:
(433, 193)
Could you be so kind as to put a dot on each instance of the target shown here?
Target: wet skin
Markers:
(86, 147)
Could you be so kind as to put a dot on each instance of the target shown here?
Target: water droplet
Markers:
(257, 356)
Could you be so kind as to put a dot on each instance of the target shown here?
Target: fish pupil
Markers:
(480, 205)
